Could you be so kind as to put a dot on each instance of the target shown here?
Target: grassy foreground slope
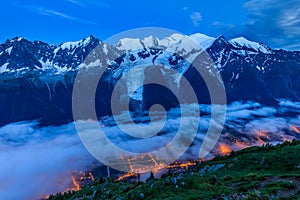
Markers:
(268, 172)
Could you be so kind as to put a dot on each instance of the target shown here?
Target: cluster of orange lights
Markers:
(172, 166)
(181, 165)
(156, 167)
(127, 175)
(147, 163)
(87, 176)
(143, 163)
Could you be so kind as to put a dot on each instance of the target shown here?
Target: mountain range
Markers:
(36, 78)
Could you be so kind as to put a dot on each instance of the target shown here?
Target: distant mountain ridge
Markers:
(69, 55)
(36, 78)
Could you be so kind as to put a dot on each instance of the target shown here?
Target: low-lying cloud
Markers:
(36, 161)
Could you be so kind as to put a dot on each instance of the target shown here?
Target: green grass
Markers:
(255, 173)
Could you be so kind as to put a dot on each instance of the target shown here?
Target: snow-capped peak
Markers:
(16, 39)
(203, 40)
(167, 42)
(130, 44)
(171, 40)
(243, 42)
(150, 41)
(76, 44)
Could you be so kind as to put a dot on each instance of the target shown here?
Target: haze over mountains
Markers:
(36, 78)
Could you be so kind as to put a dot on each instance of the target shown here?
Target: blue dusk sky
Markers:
(274, 22)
